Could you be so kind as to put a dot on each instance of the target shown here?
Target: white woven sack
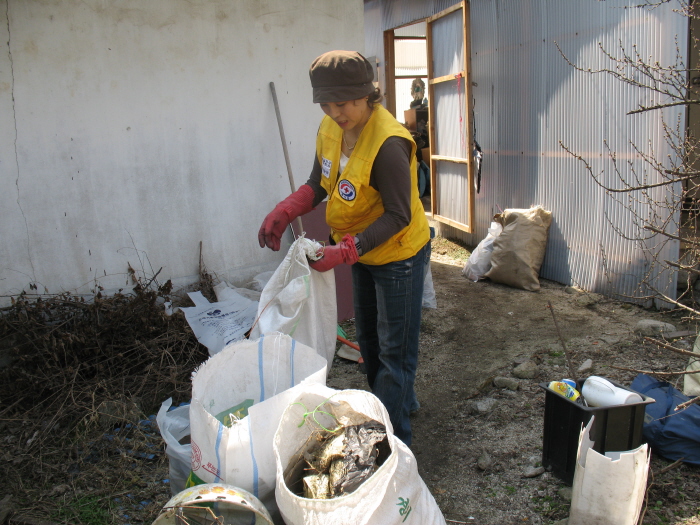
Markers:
(394, 494)
(300, 302)
(271, 372)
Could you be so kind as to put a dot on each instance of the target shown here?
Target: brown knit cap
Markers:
(338, 76)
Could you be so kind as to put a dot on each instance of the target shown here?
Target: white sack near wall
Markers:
(479, 261)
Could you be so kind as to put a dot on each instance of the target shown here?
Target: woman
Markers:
(365, 164)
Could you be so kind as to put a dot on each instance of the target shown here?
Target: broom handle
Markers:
(284, 148)
(351, 345)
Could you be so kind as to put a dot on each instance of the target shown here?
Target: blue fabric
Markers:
(673, 435)
(388, 301)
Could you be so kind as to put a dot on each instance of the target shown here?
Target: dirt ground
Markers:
(476, 444)
(483, 330)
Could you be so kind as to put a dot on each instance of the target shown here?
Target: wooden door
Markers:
(450, 118)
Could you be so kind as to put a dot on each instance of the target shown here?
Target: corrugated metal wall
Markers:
(528, 100)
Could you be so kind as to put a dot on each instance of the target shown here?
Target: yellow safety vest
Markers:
(352, 203)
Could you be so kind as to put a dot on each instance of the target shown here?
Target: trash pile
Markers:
(66, 355)
(595, 392)
(79, 376)
(247, 427)
(373, 480)
(337, 462)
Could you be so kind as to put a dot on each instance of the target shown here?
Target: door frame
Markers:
(465, 74)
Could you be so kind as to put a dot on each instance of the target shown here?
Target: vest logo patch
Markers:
(326, 167)
(347, 190)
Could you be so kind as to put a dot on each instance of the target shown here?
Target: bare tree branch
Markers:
(671, 348)
(643, 109)
(670, 236)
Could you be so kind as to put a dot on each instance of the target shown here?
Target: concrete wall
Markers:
(130, 131)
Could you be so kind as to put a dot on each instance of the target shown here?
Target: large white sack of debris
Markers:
(393, 494)
(300, 302)
(238, 397)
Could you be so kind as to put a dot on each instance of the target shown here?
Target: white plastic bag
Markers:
(248, 384)
(608, 489)
(217, 324)
(429, 300)
(259, 281)
(300, 302)
(174, 425)
(479, 261)
(394, 494)
(224, 292)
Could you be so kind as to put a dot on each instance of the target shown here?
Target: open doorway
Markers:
(428, 87)
(409, 78)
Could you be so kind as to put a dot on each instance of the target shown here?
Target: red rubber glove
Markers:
(272, 229)
(342, 253)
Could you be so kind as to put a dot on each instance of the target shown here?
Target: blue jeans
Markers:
(388, 301)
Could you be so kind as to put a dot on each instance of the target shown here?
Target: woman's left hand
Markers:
(342, 253)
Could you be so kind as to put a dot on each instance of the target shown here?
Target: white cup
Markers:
(599, 392)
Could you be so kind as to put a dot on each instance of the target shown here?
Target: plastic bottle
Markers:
(564, 389)
(599, 392)
(570, 382)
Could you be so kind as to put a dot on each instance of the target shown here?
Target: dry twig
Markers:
(569, 364)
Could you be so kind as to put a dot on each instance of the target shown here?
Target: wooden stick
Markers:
(572, 374)
(669, 467)
(284, 148)
(652, 373)
(687, 403)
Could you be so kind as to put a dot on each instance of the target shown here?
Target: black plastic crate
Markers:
(616, 428)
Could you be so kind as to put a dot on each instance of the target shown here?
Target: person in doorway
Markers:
(365, 163)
